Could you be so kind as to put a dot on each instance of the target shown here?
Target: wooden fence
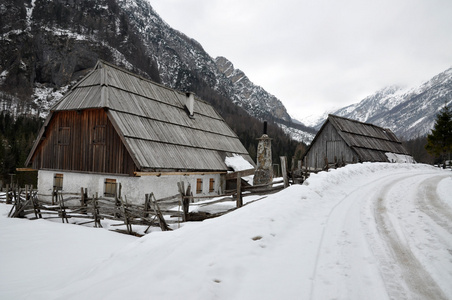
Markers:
(25, 204)
(77, 206)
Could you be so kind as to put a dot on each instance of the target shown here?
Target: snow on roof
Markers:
(238, 163)
(399, 158)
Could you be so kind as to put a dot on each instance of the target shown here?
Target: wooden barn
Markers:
(117, 127)
(343, 141)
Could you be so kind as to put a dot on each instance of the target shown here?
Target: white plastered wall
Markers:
(134, 188)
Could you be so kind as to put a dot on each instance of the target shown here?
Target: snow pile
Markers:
(400, 158)
(364, 231)
(444, 191)
(238, 163)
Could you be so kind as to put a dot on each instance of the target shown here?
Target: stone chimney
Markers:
(189, 103)
(264, 167)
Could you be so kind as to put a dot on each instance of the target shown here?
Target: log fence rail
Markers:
(25, 203)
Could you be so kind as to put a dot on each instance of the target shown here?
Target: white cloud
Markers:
(314, 55)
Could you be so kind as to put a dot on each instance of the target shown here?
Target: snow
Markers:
(443, 191)
(316, 119)
(297, 134)
(68, 34)
(237, 163)
(365, 231)
(3, 76)
(400, 158)
(30, 14)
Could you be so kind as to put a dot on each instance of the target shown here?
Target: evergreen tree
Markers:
(439, 142)
(16, 139)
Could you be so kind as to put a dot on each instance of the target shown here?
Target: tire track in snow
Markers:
(413, 274)
(389, 256)
(333, 232)
(430, 204)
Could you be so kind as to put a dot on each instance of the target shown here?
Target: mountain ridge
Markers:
(408, 112)
(68, 39)
(47, 46)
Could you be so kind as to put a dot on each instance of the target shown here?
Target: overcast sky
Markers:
(318, 55)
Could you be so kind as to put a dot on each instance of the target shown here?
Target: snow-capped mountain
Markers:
(408, 112)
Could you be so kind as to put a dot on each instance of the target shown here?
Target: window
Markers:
(99, 134)
(110, 187)
(64, 136)
(211, 185)
(58, 181)
(198, 186)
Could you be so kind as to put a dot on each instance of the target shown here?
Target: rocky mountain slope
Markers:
(48, 45)
(249, 96)
(409, 112)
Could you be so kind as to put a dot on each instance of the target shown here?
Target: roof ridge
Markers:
(101, 63)
(356, 121)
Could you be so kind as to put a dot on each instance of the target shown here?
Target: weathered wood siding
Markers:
(83, 141)
(329, 144)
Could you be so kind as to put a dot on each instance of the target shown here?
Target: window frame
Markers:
(99, 134)
(64, 135)
(58, 181)
(211, 185)
(199, 186)
(110, 187)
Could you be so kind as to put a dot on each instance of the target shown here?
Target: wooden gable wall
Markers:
(329, 144)
(82, 141)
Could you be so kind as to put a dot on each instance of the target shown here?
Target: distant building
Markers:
(344, 141)
(116, 127)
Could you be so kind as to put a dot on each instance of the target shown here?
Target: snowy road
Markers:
(404, 229)
(370, 231)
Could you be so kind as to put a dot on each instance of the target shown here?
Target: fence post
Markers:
(8, 195)
(239, 190)
(146, 205)
(54, 195)
(125, 213)
(117, 200)
(62, 207)
(284, 170)
(96, 212)
(185, 202)
(34, 200)
(158, 214)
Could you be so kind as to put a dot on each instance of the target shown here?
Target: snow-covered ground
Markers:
(366, 231)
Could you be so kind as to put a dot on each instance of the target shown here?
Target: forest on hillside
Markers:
(17, 135)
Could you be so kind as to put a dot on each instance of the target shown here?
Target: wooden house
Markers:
(117, 127)
(343, 141)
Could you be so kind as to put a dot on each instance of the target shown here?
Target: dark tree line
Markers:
(416, 147)
(436, 147)
(16, 139)
(439, 141)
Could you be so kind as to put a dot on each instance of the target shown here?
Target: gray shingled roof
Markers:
(153, 121)
(370, 142)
